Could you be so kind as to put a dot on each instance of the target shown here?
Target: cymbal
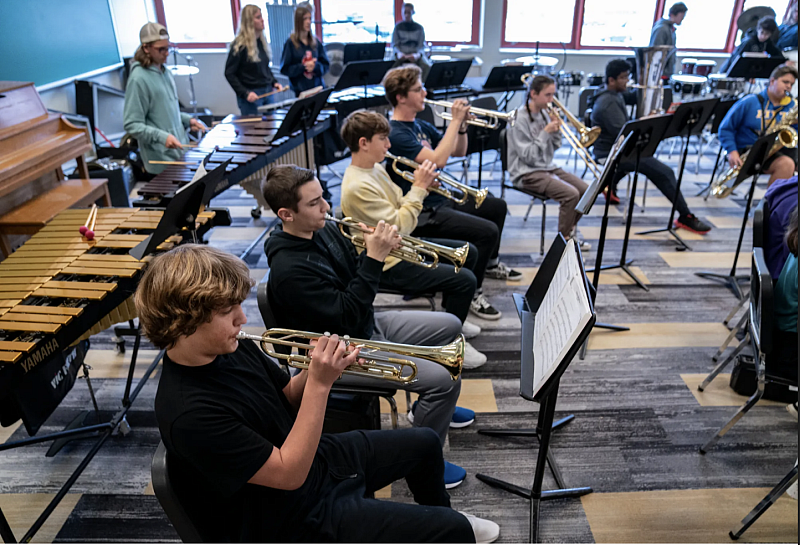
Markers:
(749, 18)
(183, 69)
(538, 60)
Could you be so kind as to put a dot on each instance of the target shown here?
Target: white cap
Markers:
(152, 32)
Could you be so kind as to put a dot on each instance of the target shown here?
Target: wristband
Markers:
(462, 132)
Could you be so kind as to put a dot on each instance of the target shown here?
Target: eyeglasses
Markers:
(162, 50)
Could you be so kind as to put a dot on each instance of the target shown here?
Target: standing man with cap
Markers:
(152, 114)
(663, 33)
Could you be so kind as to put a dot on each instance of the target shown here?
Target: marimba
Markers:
(241, 139)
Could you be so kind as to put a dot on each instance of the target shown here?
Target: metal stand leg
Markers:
(736, 417)
(779, 490)
(721, 365)
(730, 337)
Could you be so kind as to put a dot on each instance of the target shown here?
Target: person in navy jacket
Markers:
(304, 60)
(756, 115)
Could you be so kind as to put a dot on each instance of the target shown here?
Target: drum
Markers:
(595, 80)
(688, 65)
(720, 84)
(574, 79)
(704, 68)
(539, 63)
(688, 84)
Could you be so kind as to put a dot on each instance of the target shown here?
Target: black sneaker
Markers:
(501, 271)
(481, 308)
(690, 222)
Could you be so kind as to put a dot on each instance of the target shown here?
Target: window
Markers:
(355, 21)
(198, 23)
(779, 6)
(554, 28)
(617, 23)
(706, 24)
(449, 22)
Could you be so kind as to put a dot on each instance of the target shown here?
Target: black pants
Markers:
(457, 288)
(479, 226)
(366, 461)
(662, 177)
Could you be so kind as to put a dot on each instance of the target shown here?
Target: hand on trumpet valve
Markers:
(329, 359)
(383, 239)
(425, 175)
(734, 160)
(460, 111)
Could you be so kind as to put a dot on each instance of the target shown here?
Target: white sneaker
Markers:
(792, 491)
(482, 308)
(472, 358)
(485, 530)
(470, 330)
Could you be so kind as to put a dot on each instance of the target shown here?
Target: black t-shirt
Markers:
(408, 138)
(219, 423)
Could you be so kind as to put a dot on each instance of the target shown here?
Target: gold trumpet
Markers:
(787, 137)
(579, 142)
(450, 356)
(491, 117)
(466, 191)
(419, 252)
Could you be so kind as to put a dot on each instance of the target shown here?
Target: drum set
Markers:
(696, 79)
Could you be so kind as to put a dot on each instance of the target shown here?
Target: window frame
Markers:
(235, 11)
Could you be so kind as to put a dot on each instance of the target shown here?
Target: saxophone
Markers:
(787, 137)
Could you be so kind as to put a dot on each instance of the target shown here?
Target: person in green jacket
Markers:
(152, 114)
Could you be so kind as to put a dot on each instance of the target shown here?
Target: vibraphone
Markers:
(242, 141)
(349, 100)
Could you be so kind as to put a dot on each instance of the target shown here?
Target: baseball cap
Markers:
(152, 32)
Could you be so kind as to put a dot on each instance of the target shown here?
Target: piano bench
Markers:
(29, 217)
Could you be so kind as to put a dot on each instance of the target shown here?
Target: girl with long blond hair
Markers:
(304, 60)
(247, 68)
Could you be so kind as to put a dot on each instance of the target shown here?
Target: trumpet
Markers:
(450, 356)
(419, 252)
(579, 142)
(466, 191)
(491, 117)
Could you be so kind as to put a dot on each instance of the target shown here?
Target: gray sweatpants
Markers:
(562, 186)
(438, 392)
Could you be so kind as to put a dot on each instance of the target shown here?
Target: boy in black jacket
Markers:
(318, 283)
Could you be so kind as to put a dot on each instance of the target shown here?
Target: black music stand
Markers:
(545, 393)
(647, 135)
(506, 78)
(371, 51)
(754, 67)
(688, 120)
(301, 116)
(363, 74)
(751, 167)
(720, 111)
(444, 75)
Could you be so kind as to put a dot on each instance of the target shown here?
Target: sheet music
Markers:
(199, 173)
(563, 313)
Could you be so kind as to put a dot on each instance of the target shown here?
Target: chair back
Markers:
(761, 224)
(761, 304)
(583, 101)
(490, 137)
(720, 111)
(427, 115)
(168, 497)
(265, 308)
(504, 149)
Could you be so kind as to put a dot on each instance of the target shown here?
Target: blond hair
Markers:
(247, 35)
(299, 14)
(183, 288)
(142, 57)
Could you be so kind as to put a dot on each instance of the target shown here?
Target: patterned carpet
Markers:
(637, 425)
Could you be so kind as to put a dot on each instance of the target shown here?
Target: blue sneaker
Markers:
(461, 417)
(453, 475)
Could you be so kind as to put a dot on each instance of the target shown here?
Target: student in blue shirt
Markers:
(304, 60)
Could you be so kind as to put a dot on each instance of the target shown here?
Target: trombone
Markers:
(579, 142)
(491, 117)
(466, 191)
(450, 356)
(419, 252)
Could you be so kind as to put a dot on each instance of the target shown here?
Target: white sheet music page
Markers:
(563, 314)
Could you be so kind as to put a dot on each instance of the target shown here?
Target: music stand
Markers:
(754, 67)
(444, 75)
(182, 211)
(545, 392)
(372, 51)
(688, 120)
(647, 135)
(507, 78)
(301, 116)
(751, 167)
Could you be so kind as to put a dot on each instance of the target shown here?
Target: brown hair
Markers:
(791, 233)
(142, 57)
(363, 124)
(782, 70)
(183, 288)
(537, 84)
(280, 188)
(296, 35)
(399, 81)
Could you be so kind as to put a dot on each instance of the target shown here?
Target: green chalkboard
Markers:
(45, 41)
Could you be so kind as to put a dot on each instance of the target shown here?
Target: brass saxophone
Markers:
(787, 137)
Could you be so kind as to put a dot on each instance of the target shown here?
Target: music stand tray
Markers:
(301, 116)
(363, 74)
(754, 67)
(447, 74)
(506, 78)
(372, 51)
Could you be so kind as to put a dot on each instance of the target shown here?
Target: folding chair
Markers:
(169, 498)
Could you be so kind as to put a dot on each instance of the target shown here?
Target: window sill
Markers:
(523, 51)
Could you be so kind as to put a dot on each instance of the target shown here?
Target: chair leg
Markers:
(644, 195)
(432, 303)
(779, 490)
(530, 207)
(541, 239)
(744, 302)
(724, 363)
(392, 410)
(730, 336)
(735, 418)
(408, 400)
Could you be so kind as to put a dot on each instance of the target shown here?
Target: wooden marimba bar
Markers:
(240, 139)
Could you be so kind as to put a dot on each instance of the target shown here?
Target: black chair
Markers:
(168, 497)
(532, 194)
(760, 327)
(270, 322)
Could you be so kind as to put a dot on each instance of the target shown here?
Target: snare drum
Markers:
(688, 65)
(704, 68)
(687, 84)
(720, 84)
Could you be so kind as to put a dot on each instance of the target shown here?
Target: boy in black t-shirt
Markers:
(442, 218)
(247, 457)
